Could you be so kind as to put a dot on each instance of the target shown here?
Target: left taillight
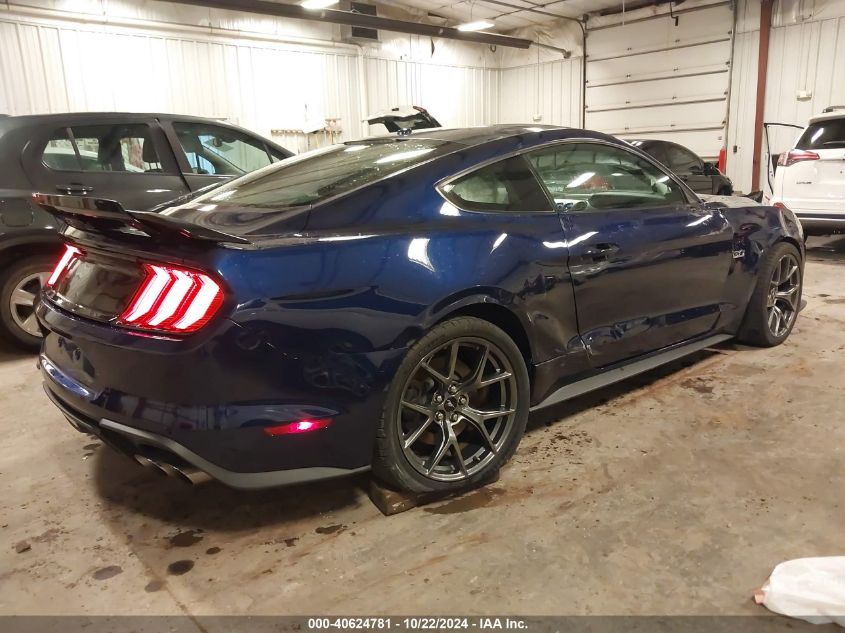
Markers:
(172, 300)
(71, 253)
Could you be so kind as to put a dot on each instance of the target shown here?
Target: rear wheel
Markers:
(776, 299)
(21, 284)
(456, 409)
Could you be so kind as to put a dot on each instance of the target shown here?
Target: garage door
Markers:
(651, 78)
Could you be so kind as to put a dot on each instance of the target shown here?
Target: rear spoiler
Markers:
(101, 215)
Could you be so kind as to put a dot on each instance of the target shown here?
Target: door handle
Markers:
(75, 189)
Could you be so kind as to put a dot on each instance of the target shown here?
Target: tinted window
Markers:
(316, 176)
(507, 186)
(828, 134)
(122, 148)
(113, 148)
(682, 161)
(214, 149)
(585, 176)
(59, 153)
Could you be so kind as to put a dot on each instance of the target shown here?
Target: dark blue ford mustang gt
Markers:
(397, 303)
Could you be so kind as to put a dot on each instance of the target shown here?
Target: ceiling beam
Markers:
(348, 18)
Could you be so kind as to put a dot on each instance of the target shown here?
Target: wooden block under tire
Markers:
(390, 501)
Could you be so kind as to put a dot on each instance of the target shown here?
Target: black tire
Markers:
(725, 191)
(395, 465)
(10, 329)
(756, 329)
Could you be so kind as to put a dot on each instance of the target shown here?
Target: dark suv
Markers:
(700, 176)
(141, 160)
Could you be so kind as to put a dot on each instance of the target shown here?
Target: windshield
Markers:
(317, 176)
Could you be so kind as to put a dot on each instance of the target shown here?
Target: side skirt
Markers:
(610, 376)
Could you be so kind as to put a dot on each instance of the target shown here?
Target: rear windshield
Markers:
(828, 134)
(314, 177)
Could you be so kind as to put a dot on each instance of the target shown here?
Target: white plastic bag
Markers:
(811, 589)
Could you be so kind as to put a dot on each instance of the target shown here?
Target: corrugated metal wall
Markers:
(49, 65)
(551, 90)
(54, 68)
(455, 95)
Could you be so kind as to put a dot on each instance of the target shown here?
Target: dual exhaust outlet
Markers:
(188, 474)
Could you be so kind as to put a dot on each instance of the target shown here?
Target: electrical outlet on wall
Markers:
(803, 95)
(537, 118)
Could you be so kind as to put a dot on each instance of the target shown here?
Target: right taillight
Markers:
(172, 300)
(796, 156)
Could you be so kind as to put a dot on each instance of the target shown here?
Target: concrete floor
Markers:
(673, 493)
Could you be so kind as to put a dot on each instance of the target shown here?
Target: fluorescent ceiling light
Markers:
(478, 25)
(318, 4)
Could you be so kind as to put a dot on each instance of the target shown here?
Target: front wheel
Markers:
(456, 409)
(776, 300)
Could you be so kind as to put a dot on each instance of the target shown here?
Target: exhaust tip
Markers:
(193, 476)
(188, 474)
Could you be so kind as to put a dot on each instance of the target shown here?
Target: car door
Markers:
(128, 161)
(780, 138)
(209, 153)
(649, 262)
(519, 251)
(689, 168)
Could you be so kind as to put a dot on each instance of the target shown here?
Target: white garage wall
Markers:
(555, 99)
(262, 73)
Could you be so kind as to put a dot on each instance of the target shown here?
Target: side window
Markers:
(113, 148)
(213, 149)
(506, 186)
(682, 161)
(587, 176)
(59, 153)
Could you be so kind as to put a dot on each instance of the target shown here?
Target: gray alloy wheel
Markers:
(457, 409)
(784, 295)
(22, 302)
(774, 304)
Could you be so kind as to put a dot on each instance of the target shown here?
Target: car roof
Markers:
(60, 116)
(836, 114)
(470, 136)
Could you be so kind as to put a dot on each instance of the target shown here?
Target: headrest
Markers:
(148, 151)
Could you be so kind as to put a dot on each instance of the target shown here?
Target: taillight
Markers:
(796, 156)
(71, 252)
(174, 300)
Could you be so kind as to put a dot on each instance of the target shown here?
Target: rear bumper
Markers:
(825, 223)
(135, 442)
(205, 402)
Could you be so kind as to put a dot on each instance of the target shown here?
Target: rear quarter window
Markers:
(311, 178)
(828, 134)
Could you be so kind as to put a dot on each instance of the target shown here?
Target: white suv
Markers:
(810, 178)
